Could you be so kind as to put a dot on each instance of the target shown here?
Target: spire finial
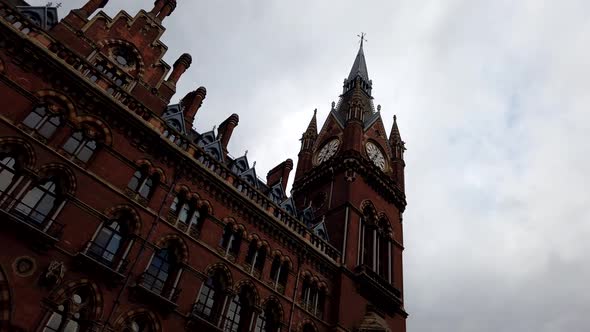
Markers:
(246, 153)
(394, 118)
(362, 37)
(315, 111)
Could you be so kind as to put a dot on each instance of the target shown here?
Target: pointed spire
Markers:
(359, 68)
(312, 128)
(394, 136)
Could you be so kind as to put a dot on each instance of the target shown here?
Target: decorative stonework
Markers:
(24, 266)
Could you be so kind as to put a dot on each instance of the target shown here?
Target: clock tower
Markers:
(350, 179)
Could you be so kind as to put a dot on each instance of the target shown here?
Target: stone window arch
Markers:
(84, 142)
(231, 240)
(279, 272)
(165, 268)
(16, 157)
(73, 313)
(143, 182)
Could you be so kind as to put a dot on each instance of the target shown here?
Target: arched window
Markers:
(186, 213)
(256, 257)
(279, 272)
(313, 298)
(368, 233)
(231, 241)
(80, 145)
(270, 318)
(8, 167)
(143, 183)
(111, 243)
(161, 275)
(71, 315)
(238, 317)
(39, 202)
(210, 301)
(43, 121)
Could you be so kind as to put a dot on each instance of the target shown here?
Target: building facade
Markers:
(116, 215)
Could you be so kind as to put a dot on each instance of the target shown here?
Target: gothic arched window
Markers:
(256, 257)
(39, 202)
(210, 301)
(71, 315)
(186, 212)
(81, 145)
(269, 320)
(161, 275)
(279, 272)
(239, 311)
(143, 183)
(43, 121)
(231, 241)
(111, 242)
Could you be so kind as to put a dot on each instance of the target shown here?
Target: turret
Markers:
(398, 147)
(308, 140)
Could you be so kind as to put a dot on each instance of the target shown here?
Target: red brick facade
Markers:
(117, 216)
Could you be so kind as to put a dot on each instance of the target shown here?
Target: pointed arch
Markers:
(274, 301)
(64, 174)
(60, 99)
(124, 209)
(247, 284)
(96, 125)
(211, 270)
(125, 319)
(173, 239)
(64, 293)
(20, 147)
(5, 300)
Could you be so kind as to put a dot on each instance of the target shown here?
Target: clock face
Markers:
(328, 150)
(375, 155)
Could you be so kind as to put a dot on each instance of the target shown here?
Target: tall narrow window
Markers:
(38, 203)
(279, 272)
(108, 245)
(43, 121)
(158, 275)
(210, 301)
(239, 313)
(231, 241)
(143, 183)
(80, 146)
(269, 320)
(367, 245)
(7, 172)
(256, 257)
(232, 317)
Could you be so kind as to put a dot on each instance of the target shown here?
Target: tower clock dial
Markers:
(327, 151)
(375, 155)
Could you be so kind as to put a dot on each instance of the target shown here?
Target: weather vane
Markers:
(362, 37)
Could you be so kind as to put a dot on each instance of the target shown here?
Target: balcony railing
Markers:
(29, 218)
(105, 261)
(156, 289)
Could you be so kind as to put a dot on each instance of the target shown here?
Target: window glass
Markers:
(48, 128)
(86, 151)
(35, 117)
(7, 172)
(146, 189)
(232, 318)
(135, 181)
(73, 142)
(38, 202)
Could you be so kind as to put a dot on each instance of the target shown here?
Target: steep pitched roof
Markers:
(359, 68)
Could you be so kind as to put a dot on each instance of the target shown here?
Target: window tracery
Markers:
(143, 183)
(72, 314)
(82, 144)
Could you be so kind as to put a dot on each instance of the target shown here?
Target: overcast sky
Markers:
(491, 98)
